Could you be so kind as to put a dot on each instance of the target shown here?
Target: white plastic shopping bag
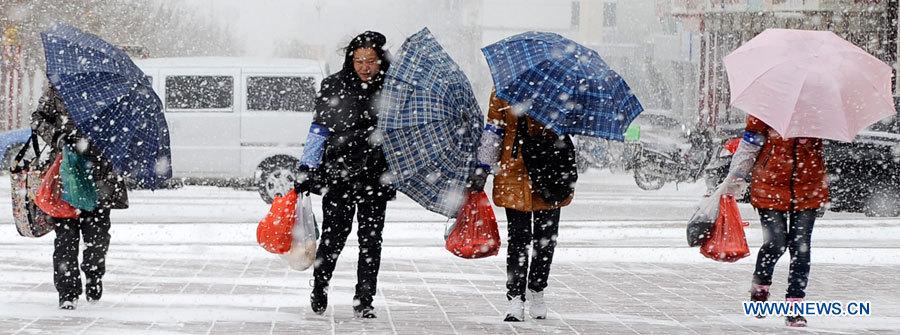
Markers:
(303, 247)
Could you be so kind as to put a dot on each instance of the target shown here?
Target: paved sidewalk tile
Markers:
(205, 293)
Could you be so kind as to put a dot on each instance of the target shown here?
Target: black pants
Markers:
(94, 228)
(778, 237)
(538, 229)
(338, 211)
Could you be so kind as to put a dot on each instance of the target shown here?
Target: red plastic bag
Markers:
(475, 233)
(727, 242)
(274, 232)
(49, 196)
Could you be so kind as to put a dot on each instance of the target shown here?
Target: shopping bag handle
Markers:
(19, 163)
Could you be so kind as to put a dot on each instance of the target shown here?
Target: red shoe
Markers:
(759, 293)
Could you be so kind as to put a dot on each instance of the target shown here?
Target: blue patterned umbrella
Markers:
(110, 100)
(431, 125)
(562, 84)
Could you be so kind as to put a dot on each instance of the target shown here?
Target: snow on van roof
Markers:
(214, 62)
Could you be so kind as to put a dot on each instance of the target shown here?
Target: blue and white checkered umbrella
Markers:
(431, 125)
(562, 84)
(111, 101)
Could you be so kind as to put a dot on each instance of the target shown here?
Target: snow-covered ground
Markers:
(188, 257)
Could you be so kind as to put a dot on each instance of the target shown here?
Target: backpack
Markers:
(550, 162)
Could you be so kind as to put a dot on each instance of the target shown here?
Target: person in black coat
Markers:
(343, 161)
(51, 122)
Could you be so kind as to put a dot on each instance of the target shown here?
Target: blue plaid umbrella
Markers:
(431, 125)
(562, 84)
(111, 101)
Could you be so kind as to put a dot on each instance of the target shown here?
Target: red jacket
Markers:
(789, 174)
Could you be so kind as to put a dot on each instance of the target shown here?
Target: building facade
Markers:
(714, 28)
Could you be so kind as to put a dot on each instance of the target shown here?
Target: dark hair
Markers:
(368, 39)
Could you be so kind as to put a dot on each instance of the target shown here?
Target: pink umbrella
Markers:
(805, 83)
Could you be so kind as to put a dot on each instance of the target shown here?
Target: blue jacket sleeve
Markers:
(315, 146)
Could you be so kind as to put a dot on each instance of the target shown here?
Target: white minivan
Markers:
(236, 120)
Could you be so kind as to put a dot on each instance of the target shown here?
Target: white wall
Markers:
(517, 14)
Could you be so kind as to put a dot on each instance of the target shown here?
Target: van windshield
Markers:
(286, 94)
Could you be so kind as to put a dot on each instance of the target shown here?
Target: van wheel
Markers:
(277, 177)
(883, 202)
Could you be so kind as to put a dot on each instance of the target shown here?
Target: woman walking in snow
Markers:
(52, 123)
(532, 220)
(787, 188)
(341, 162)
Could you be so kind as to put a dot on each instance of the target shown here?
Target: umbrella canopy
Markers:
(562, 84)
(431, 125)
(806, 83)
(111, 101)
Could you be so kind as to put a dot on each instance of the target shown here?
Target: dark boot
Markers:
(364, 312)
(93, 290)
(318, 299)
(362, 307)
(795, 321)
(68, 303)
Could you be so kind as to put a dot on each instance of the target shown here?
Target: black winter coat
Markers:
(51, 122)
(353, 161)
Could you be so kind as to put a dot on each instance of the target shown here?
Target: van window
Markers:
(288, 94)
(199, 92)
